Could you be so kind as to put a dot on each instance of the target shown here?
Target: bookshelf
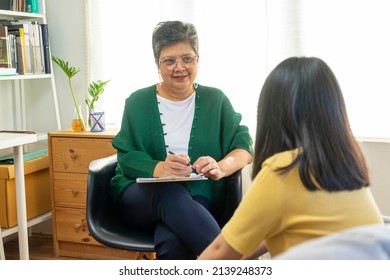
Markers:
(23, 91)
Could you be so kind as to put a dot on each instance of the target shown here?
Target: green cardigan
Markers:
(216, 131)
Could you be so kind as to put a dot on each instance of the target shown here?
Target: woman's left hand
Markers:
(209, 167)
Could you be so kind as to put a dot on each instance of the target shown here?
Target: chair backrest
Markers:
(99, 202)
(108, 229)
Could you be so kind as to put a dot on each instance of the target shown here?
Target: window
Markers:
(352, 37)
(241, 41)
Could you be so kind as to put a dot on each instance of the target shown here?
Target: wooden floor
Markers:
(40, 248)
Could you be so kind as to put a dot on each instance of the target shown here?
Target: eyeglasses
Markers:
(170, 62)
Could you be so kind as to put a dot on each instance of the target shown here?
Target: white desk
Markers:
(16, 141)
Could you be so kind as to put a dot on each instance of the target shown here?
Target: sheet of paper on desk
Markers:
(192, 177)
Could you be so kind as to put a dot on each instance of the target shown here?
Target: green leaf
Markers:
(64, 65)
(95, 90)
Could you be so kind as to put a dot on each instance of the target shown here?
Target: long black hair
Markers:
(301, 106)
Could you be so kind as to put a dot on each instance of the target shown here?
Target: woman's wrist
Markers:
(158, 169)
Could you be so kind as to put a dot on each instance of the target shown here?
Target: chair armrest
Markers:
(105, 165)
(232, 198)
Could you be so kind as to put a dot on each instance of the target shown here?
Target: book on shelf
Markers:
(8, 71)
(5, 52)
(12, 43)
(37, 60)
(32, 6)
(20, 57)
(46, 49)
(27, 38)
(22, 53)
(21, 5)
(5, 5)
(14, 5)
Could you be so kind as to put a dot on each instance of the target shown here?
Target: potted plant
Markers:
(95, 90)
(95, 119)
(70, 71)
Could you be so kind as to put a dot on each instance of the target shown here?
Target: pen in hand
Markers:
(189, 164)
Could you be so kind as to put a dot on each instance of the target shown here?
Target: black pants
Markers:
(183, 226)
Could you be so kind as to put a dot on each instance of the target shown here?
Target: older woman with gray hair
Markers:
(174, 128)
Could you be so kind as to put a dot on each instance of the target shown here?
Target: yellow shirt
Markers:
(280, 210)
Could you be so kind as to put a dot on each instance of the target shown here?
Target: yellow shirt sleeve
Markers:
(258, 215)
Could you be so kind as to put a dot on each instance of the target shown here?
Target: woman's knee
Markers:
(169, 247)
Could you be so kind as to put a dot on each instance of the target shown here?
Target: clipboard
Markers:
(192, 177)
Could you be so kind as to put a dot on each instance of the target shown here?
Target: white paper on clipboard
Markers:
(192, 177)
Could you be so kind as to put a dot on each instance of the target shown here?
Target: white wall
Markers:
(377, 153)
(66, 21)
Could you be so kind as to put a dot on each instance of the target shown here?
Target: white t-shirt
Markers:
(177, 117)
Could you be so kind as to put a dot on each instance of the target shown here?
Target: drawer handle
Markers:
(73, 154)
(77, 227)
(75, 192)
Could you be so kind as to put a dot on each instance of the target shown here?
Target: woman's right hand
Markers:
(174, 165)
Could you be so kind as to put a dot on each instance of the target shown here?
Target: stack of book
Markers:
(24, 49)
(6, 66)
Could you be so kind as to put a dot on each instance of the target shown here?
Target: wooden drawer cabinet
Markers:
(70, 154)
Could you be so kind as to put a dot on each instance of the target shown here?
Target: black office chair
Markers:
(107, 228)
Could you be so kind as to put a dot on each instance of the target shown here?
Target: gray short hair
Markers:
(170, 32)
